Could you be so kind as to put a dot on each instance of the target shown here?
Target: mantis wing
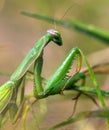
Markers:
(5, 94)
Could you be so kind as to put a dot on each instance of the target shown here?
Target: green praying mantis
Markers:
(55, 85)
(9, 90)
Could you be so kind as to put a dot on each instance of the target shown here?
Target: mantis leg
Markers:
(57, 82)
(38, 89)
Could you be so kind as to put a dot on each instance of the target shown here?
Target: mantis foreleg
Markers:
(38, 88)
(54, 85)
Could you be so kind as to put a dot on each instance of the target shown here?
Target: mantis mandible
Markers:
(9, 90)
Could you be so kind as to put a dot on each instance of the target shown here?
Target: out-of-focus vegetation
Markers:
(18, 34)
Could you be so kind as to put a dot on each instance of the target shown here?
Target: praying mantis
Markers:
(58, 82)
(55, 85)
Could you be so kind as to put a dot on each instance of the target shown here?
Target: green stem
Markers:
(75, 25)
(100, 97)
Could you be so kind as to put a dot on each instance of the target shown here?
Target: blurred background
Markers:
(18, 34)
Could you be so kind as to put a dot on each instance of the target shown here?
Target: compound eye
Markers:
(53, 32)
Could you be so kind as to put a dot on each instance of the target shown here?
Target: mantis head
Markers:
(55, 36)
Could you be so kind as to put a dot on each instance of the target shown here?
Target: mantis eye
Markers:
(56, 37)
